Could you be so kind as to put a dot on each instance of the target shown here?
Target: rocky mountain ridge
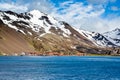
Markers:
(46, 34)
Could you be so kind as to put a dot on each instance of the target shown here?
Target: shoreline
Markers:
(54, 54)
(60, 56)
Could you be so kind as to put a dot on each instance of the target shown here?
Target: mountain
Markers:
(37, 23)
(98, 39)
(113, 36)
(42, 31)
(39, 33)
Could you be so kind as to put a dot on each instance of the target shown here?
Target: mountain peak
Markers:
(38, 23)
(113, 36)
(36, 13)
(117, 29)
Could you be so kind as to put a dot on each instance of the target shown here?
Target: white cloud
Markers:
(100, 2)
(66, 3)
(114, 8)
(43, 5)
(81, 16)
(97, 1)
(26, 5)
(13, 7)
(100, 25)
(87, 17)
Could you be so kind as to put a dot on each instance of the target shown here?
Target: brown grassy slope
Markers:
(53, 42)
(83, 40)
(12, 41)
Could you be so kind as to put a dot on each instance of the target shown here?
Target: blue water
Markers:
(59, 68)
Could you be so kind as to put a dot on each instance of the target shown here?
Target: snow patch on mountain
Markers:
(113, 36)
(36, 20)
(97, 38)
(43, 24)
(6, 21)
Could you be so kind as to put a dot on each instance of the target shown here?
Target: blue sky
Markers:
(110, 6)
(91, 15)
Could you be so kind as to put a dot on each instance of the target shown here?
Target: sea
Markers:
(59, 68)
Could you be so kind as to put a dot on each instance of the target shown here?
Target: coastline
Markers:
(65, 55)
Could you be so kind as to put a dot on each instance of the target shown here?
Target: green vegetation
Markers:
(52, 44)
(46, 46)
(97, 54)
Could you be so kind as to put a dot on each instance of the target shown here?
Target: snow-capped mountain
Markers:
(38, 24)
(97, 38)
(41, 30)
(113, 36)
(37, 21)
(37, 31)
(107, 39)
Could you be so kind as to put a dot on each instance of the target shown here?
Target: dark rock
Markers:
(1, 22)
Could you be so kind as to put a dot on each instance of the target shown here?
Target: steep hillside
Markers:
(45, 32)
(12, 41)
(35, 32)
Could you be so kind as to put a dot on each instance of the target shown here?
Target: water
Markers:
(59, 68)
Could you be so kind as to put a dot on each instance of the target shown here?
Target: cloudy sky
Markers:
(91, 15)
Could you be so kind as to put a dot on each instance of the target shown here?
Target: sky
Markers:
(91, 15)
